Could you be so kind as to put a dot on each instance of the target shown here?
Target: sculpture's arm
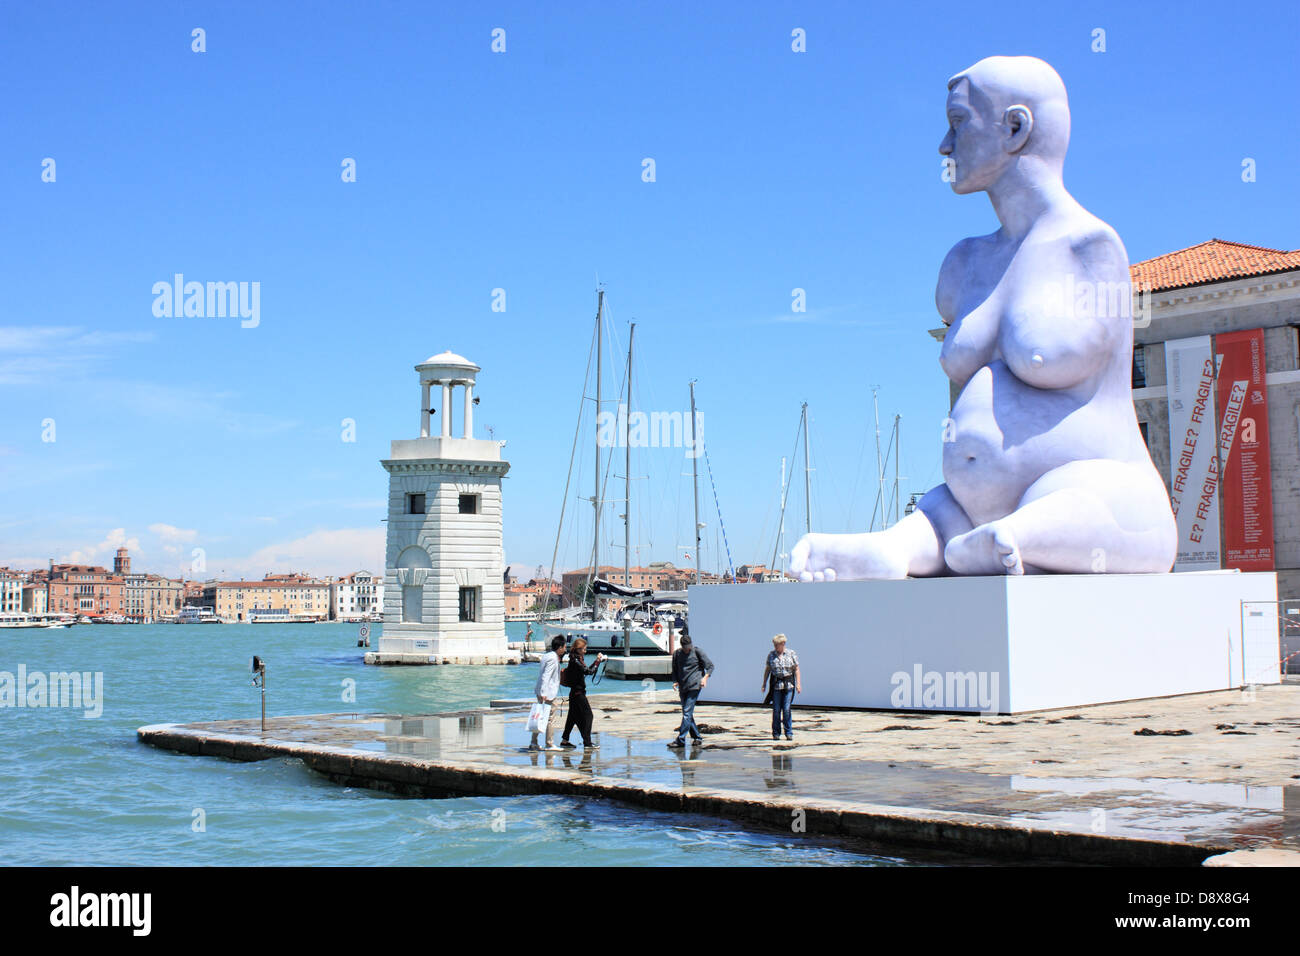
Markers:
(1063, 329)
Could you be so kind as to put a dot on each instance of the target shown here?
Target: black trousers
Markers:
(580, 716)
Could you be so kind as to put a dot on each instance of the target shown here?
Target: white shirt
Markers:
(548, 681)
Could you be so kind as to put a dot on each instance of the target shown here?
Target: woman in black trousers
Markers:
(579, 710)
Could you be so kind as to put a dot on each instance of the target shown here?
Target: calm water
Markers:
(83, 791)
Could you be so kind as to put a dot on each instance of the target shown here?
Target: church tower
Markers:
(444, 593)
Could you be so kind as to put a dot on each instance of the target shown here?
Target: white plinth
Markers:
(994, 644)
(424, 644)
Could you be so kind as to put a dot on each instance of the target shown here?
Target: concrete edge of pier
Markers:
(882, 826)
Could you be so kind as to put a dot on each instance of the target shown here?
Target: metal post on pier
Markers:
(259, 680)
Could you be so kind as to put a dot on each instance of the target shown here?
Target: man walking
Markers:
(691, 670)
(547, 687)
(783, 669)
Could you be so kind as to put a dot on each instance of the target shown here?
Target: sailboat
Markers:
(648, 621)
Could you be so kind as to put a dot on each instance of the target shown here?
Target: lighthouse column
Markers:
(444, 598)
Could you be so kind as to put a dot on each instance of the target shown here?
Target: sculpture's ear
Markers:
(1019, 119)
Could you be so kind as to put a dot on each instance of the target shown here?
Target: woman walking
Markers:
(575, 678)
(782, 669)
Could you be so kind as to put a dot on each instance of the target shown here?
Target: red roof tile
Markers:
(1214, 261)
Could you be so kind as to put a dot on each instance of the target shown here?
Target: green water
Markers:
(80, 790)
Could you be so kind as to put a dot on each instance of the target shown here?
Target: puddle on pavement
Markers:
(1158, 808)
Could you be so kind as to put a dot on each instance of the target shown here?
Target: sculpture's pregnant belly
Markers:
(1004, 435)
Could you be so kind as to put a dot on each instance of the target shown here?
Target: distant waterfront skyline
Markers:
(489, 193)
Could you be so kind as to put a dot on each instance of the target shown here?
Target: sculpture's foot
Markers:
(989, 549)
(848, 557)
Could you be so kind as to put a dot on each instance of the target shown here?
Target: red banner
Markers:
(1247, 487)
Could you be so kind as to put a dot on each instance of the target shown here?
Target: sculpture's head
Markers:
(1005, 112)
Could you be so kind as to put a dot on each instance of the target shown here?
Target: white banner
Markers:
(1193, 465)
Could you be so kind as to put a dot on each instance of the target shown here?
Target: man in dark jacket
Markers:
(691, 670)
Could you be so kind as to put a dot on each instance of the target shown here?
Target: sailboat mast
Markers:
(781, 544)
(807, 471)
(595, 495)
(898, 450)
(880, 465)
(695, 481)
(627, 468)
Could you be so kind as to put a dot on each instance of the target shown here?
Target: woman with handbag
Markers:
(575, 678)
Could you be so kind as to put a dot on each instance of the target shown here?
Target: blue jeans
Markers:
(781, 701)
(689, 697)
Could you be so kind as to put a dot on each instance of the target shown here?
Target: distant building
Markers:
(658, 576)
(147, 598)
(287, 595)
(530, 597)
(84, 589)
(758, 573)
(11, 591)
(356, 596)
(192, 593)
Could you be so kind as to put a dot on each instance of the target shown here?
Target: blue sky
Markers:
(522, 170)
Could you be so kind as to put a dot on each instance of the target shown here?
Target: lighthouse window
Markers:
(469, 504)
(415, 504)
(469, 604)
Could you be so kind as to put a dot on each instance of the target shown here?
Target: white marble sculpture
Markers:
(1043, 463)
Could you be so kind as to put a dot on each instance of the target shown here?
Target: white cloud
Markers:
(89, 554)
(331, 552)
(34, 354)
(170, 533)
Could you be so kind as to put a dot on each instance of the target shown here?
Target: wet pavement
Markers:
(1159, 781)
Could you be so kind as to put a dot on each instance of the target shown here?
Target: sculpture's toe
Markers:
(805, 576)
(830, 574)
(819, 576)
(1008, 550)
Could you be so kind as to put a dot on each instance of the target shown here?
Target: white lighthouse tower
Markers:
(444, 594)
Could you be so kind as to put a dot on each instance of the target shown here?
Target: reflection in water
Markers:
(444, 733)
(782, 770)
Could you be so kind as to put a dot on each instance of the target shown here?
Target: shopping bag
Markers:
(538, 717)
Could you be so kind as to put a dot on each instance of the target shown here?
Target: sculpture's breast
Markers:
(970, 343)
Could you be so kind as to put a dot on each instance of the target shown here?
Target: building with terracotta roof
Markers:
(290, 595)
(1217, 332)
(1215, 260)
(84, 590)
